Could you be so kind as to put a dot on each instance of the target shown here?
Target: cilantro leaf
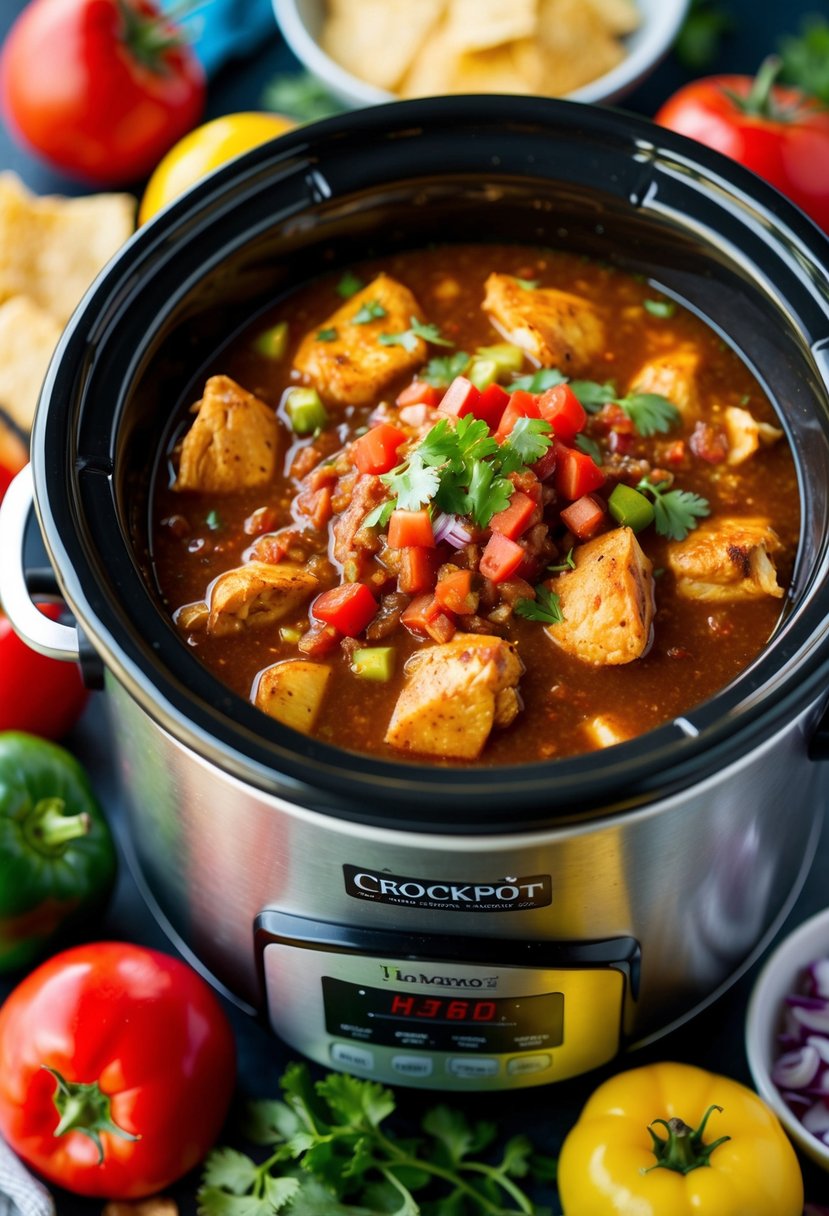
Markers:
(568, 563)
(538, 382)
(268, 1121)
(489, 493)
(650, 412)
(349, 285)
(546, 607)
(214, 1202)
(300, 95)
(474, 440)
(529, 439)
(358, 1103)
(230, 1171)
(806, 57)
(528, 284)
(589, 446)
(675, 511)
(593, 395)
(326, 335)
(380, 516)
(372, 310)
(409, 337)
(697, 44)
(414, 484)
(442, 370)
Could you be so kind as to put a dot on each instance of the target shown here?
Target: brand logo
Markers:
(392, 973)
(508, 894)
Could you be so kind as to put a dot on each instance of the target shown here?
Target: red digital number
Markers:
(484, 1011)
(457, 1010)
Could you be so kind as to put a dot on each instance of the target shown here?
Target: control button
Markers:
(413, 1066)
(472, 1066)
(522, 1066)
(352, 1057)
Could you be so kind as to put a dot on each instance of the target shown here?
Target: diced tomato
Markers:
(460, 398)
(454, 592)
(418, 615)
(349, 608)
(515, 518)
(442, 627)
(408, 528)
(494, 400)
(521, 405)
(501, 558)
(675, 452)
(563, 410)
(419, 393)
(417, 570)
(316, 504)
(584, 516)
(376, 451)
(576, 473)
(546, 466)
(319, 640)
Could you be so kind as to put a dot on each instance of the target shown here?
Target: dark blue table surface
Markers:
(715, 1038)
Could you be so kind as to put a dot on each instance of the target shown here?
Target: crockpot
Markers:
(440, 926)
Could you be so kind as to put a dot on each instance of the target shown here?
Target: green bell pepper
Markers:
(57, 857)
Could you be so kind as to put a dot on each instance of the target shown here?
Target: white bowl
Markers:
(780, 976)
(301, 23)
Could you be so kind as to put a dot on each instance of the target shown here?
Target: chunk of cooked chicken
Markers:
(453, 696)
(232, 443)
(255, 595)
(556, 328)
(354, 366)
(606, 601)
(727, 559)
(605, 731)
(746, 434)
(673, 375)
(292, 691)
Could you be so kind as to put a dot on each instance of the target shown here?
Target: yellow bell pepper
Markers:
(673, 1140)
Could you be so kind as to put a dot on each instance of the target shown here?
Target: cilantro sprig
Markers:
(408, 339)
(546, 607)
(329, 1154)
(649, 412)
(676, 512)
(463, 469)
(372, 310)
(443, 369)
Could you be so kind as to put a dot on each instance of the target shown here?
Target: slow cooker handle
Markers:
(40, 632)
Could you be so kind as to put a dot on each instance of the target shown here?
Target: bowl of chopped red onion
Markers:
(787, 1035)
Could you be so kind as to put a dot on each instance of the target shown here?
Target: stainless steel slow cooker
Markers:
(444, 927)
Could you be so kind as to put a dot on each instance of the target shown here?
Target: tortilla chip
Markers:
(377, 40)
(576, 45)
(28, 337)
(619, 17)
(52, 248)
(476, 25)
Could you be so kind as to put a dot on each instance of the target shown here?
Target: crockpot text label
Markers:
(508, 894)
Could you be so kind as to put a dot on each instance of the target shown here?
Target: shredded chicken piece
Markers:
(727, 559)
(231, 445)
(556, 328)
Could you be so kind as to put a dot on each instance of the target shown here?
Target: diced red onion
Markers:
(817, 978)
(802, 1069)
(450, 528)
(796, 1069)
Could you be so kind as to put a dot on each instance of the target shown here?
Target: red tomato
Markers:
(149, 1041)
(779, 133)
(39, 695)
(98, 88)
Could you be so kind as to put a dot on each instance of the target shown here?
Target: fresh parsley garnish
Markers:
(328, 334)
(330, 1152)
(528, 284)
(463, 469)
(659, 308)
(538, 382)
(372, 310)
(546, 607)
(349, 285)
(443, 369)
(676, 512)
(593, 395)
(417, 329)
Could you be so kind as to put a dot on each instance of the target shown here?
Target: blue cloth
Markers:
(222, 30)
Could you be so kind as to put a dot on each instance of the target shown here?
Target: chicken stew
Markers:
(478, 504)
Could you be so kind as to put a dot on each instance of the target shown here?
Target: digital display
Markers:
(448, 1022)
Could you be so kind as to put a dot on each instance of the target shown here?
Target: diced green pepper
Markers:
(288, 633)
(374, 663)
(630, 508)
(272, 343)
(57, 858)
(507, 358)
(482, 373)
(305, 410)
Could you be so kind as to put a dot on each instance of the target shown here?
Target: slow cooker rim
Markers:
(478, 790)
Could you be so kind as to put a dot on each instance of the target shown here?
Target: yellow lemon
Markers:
(204, 149)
